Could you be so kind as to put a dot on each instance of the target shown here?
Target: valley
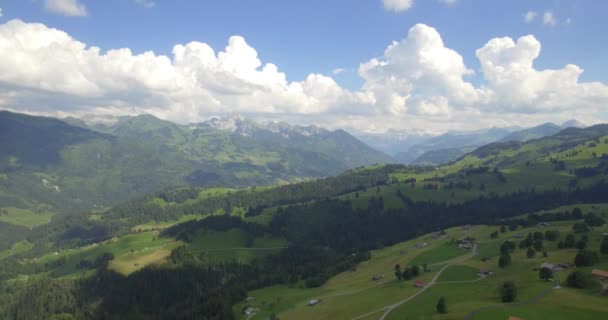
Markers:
(338, 239)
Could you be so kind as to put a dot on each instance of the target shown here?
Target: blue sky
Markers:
(304, 37)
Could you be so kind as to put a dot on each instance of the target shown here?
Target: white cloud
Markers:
(39, 64)
(530, 16)
(397, 5)
(146, 3)
(568, 21)
(418, 82)
(549, 19)
(516, 86)
(418, 71)
(66, 7)
(337, 71)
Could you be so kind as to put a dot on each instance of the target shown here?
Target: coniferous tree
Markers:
(441, 306)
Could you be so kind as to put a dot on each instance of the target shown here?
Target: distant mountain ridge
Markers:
(450, 146)
(540, 131)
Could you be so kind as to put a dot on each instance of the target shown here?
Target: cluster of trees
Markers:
(579, 279)
(534, 243)
(409, 272)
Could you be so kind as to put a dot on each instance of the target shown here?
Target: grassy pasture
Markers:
(354, 295)
(25, 217)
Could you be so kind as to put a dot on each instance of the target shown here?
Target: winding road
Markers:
(388, 309)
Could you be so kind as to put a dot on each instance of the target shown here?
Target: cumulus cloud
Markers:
(397, 5)
(39, 63)
(146, 3)
(516, 86)
(549, 19)
(417, 82)
(417, 72)
(66, 7)
(530, 16)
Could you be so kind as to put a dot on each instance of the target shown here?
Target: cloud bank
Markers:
(418, 82)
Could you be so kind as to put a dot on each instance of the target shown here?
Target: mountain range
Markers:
(73, 164)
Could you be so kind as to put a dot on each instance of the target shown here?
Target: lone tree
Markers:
(545, 274)
(504, 260)
(530, 253)
(507, 247)
(441, 306)
(398, 272)
(508, 291)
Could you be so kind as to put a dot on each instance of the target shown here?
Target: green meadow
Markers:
(354, 295)
(25, 217)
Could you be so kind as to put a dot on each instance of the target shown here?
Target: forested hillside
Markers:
(298, 234)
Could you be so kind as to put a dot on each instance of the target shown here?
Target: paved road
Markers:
(388, 309)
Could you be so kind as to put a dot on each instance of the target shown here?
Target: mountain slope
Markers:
(47, 165)
(543, 130)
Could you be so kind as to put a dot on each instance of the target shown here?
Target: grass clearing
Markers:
(444, 252)
(25, 217)
(153, 225)
(18, 247)
(233, 245)
(459, 273)
(131, 252)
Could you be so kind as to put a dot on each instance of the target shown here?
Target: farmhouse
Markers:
(543, 224)
(467, 243)
(250, 299)
(518, 236)
(421, 245)
(555, 266)
(314, 302)
(419, 284)
(601, 275)
(549, 266)
(248, 311)
(377, 277)
(484, 273)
